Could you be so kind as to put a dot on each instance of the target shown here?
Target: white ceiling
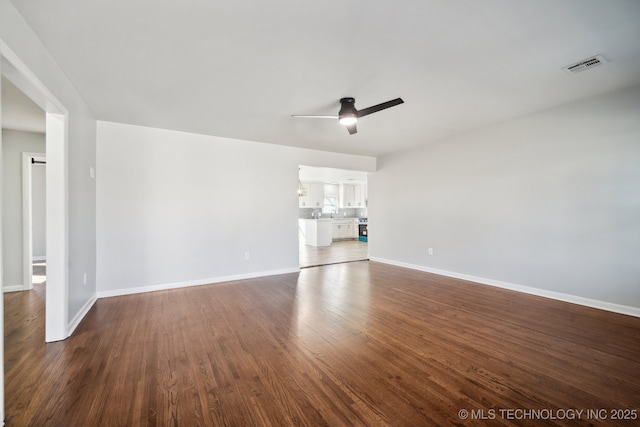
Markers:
(19, 112)
(241, 69)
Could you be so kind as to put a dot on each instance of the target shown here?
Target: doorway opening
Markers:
(19, 75)
(34, 184)
(332, 216)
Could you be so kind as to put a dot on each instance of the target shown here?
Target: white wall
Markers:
(177, 208)
(81, 140)
(14, 143)
(550, 201)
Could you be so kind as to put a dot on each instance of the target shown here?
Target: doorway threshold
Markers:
(333, 263)
(338, 252)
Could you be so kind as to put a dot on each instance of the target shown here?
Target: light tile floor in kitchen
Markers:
(338, 251)
(39, 272)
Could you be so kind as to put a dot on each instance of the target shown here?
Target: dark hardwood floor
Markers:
(360, 343)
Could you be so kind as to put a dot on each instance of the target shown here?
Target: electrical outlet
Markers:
(84, 279)
(430, 251)
(247, 255)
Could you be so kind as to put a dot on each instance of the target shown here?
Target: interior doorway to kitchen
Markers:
(34, 219)
(332, 217)
(13, 69)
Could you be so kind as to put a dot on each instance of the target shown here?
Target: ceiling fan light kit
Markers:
(348, 119)
(349, 115)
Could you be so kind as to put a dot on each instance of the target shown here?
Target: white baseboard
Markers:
(80, 315)
(12, 288)
(574, 299)
(200, 282)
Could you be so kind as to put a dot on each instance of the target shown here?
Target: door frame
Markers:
(57, 131)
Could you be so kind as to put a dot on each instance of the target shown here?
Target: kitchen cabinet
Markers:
(347, 196)
(353, 196)
(360, 195)
(314, 197)
(343, 229)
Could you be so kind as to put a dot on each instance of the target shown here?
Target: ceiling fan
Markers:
(349, 115)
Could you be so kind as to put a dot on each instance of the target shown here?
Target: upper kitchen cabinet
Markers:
(314, 197)
(347, 196)
(353, 196)
(360, 195)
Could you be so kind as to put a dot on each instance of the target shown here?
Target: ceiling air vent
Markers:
(585, 64)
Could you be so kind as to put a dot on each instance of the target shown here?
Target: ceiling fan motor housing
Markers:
(348, 109)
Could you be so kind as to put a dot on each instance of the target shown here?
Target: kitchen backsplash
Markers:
(311, 213)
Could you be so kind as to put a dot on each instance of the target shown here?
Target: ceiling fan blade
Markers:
(314, 116)
(379, 107)
(352, 129)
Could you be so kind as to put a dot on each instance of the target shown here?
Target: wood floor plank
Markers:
(355, 344)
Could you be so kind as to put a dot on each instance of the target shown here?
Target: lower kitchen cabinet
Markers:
(344, 229)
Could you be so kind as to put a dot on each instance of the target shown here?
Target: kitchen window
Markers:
(330, 205)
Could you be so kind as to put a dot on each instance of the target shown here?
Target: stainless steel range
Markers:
(363, 232)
